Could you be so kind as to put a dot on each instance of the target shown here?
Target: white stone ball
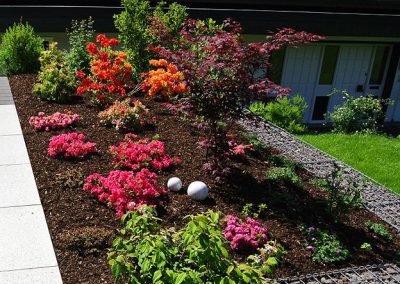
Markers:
(174, 184)
(197, 190)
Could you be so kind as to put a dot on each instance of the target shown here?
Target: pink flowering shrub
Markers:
(125, 190)
(57, 120)
(123, 116)
(135, 154)
(245, 236)
(71, 145)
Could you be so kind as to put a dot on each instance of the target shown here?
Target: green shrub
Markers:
(285, 174)
(20, 49)
(56, 81)
(197, 253)
(286, 112)
(134, 30)
(80, 34)
(363, 114)
(379, 230)
(254, 211)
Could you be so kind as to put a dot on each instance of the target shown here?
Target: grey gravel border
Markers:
(376, 198)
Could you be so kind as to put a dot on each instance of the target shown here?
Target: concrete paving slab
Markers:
(18, 186)
(9, 124)
(44, 275)
(24, 239)
(13, 150)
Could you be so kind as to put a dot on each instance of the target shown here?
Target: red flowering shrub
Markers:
(165, 81)
(124, 116)
(125, 190)
(245, 236)
(135, 154)
(110, 73)
(57, 120)
(71, 145)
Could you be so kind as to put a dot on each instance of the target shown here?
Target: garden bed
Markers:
(70, 210)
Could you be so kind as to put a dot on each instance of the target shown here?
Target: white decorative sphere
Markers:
(197, 190)
(174, 184)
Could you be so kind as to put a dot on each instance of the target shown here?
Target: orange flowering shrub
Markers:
(110, 73)
(166, 80)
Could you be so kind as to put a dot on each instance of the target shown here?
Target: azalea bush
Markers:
(109, 75)
(57, 120)
(245, 236)
(144, 252)
(123, 116)
(165, 81)
(71, 145)
(126, 190)
(20, 49)
(135, 153)
(220, 71)
(56, 80)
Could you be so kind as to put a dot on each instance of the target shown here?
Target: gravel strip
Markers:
(376, 198)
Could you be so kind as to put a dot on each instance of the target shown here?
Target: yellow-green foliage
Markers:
(56, 81)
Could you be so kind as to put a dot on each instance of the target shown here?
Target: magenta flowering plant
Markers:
(71, 145)
(125, 190)
(135, 153)
(245, 236)
(57, 120)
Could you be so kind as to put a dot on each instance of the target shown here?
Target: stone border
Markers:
(376, 199)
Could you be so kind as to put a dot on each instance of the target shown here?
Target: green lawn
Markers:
(377, 156)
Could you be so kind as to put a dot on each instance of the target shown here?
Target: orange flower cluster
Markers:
(110, 73)
(165, 80)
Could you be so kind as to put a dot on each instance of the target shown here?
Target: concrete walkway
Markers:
(26, 251)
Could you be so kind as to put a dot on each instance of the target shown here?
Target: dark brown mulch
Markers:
(70, 212)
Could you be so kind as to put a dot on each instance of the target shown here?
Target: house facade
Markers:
(360, 54)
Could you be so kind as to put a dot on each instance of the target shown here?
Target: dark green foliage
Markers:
(379, 230)
(20, 49)
(282, 161)
(72, 178)
(135, 31)
(286, 112)
(197, 253)
(285, 174)
(254, 211)
(79, 35)
(56, 81)
(363, 114)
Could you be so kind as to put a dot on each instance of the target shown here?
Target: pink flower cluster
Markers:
(235, 148)
(57, 120)
(245, 236)
(71, 145)
(125, 190)
(136, 154)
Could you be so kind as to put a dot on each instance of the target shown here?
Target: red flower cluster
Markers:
(137, 153)
(71, 145)
(110, 73)
(55, 121)
(244, 236)
(166, 80)
(125, 190)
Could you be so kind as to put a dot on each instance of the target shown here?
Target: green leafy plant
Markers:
(56, 81)
(285, 174)
(366, 246)
(268, 257)
(342, 195)
(197, 253)
(79, 35)
(363, 114)
(250, 210)
(20, 49)
(325, 247)
(379, 230)
(71, 178)
(282, 161)
(137, 26)
(253, 140)
(286, 112)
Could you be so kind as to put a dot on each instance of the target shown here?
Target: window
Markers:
(320, 108)
(378, 68)
(275, 70)
(328, 67)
